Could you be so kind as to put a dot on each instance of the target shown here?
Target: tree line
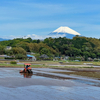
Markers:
(77, 47)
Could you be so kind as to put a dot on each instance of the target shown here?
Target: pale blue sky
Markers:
(20, 18)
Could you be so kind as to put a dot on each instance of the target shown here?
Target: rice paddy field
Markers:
(51, 80)
(48, 84)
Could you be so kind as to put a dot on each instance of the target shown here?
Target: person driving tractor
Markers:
(27, 66)
(27, 69)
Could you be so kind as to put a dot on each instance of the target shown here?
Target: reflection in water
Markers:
(27, 75)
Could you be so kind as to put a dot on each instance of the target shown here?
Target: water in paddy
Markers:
(44, 85)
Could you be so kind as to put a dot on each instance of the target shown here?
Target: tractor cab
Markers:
(27, 68)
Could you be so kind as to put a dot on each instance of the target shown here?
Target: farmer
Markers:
(27, 66)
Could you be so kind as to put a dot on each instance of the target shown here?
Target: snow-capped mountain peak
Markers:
(63, 32)
(66, 30)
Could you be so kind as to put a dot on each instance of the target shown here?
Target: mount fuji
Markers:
(64, 32)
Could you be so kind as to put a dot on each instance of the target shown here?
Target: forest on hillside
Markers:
(54, 47)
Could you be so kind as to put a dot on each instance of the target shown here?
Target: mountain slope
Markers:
(1, 39)
(64, 32)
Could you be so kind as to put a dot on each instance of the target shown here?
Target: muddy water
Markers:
(45, 85)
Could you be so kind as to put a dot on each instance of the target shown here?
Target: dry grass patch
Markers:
(86, 74)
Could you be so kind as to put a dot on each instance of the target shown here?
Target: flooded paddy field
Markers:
(45, 85)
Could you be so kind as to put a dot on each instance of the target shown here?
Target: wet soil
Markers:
(87, 72)
(45, 85)
(82, 73)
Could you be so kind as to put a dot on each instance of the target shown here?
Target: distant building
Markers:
(32, 58)
(56, 58)
(8, 47)
(44, 56)
(3, 55)
(66, 57)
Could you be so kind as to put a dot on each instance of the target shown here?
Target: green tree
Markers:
(9, 52)
(20, 56)
(19, 50)
(2, 49)
(45, 51)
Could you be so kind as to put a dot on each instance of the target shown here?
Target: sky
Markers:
(38, 18)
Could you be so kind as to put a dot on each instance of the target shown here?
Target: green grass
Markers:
(21, 66)
(57, 62)
(10, 65)
(1, 57)
(40, 66)
(46, 63)
(81, 62)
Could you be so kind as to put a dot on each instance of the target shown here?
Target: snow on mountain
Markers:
(64, 32)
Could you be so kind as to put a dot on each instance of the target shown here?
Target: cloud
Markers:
(43, 28)
(10, 37)
(18, 17)
(33, 36)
